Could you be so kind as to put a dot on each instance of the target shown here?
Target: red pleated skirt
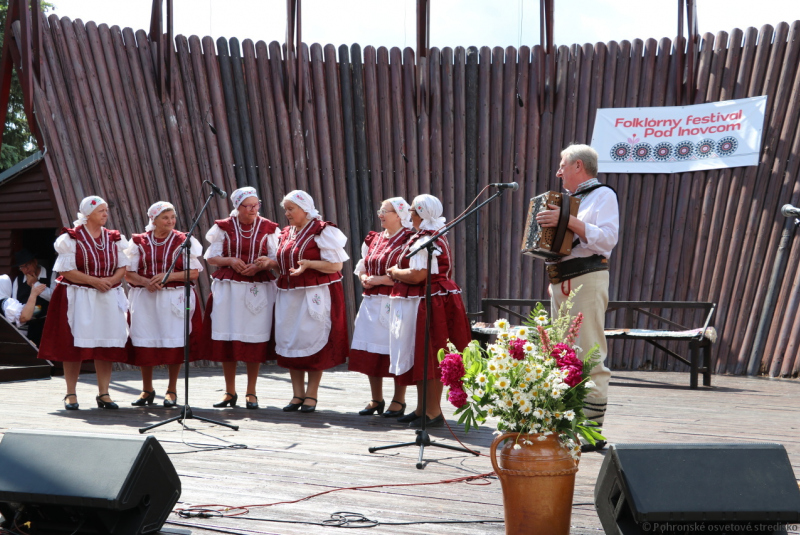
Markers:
(58, 343)
(335, 351)
(229, 351)
(372, 364)
(448, 323)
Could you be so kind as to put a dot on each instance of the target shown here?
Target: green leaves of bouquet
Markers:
(530, 379)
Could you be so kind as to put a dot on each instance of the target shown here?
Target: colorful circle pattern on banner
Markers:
(727, 146)
(642, 152)
(620, 152)
(663, 151)
(683, 150)
(705, 148)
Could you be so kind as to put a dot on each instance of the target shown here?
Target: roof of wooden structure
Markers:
(707, 236)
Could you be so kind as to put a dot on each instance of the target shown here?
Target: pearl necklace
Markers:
(159, 244)
(244, 233)
(102, 240)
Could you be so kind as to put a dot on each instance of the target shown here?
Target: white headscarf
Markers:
(88, 205)
(403, 210)
(154, 211)
(304, 201)
(429, 208)
(240, 195)
(5, 287)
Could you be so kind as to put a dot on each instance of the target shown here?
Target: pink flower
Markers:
(457, 397)
(567, 360)
(517, 348)
(575, 328)
(545, 338)
(574, 376)
(452, 370)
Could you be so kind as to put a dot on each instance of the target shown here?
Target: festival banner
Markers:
(677, 139)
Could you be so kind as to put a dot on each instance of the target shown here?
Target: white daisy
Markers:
(569, 415)
(502, 323)
(522, 332)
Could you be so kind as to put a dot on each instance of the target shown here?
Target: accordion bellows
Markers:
(549, 243)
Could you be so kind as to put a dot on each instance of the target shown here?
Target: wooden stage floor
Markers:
(290, 455)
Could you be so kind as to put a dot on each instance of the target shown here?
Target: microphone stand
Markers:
(186, 411)
(423, 438)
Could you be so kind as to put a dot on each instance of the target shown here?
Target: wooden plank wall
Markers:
(707, 236)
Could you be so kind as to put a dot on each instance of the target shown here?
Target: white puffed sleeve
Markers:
(195, 252)
(12, 310)
(360, 267)
(134, 256)
(122, 258)
(216, 238)
(65, 247)
(331, 242)
(273, 240)
(420, 260)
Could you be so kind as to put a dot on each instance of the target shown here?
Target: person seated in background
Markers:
(30, 296)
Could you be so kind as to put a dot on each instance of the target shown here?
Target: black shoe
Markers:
(293, 406)
(105, 404)
(597, 446)
(377, 408)
(395, 414)
(169, 403)
(408, 418)
(430, 422)
(149, 400)
(309, 408)
(71, 406)
(231, 401)
(251, 404)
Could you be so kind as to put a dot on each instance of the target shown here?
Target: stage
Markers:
(292, 455)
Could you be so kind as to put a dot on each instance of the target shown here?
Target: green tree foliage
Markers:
(18, 143)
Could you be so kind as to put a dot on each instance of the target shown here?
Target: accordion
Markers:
(553, 242)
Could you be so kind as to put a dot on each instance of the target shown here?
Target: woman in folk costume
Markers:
(408, 308)
(156, 309)
(238, 320)
(87, 317)
(369, 351)
(310, 315)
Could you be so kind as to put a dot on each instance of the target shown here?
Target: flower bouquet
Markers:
(530, 380)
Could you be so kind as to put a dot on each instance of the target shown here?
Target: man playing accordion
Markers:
(596, 229)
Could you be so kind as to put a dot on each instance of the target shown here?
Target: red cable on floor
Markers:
(224, 510)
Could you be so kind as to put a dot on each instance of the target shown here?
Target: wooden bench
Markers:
(700, 339)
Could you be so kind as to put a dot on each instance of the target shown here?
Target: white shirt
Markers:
(599, 212)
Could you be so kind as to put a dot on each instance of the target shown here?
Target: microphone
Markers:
(216, 189)
(790, 211)
(506, 185)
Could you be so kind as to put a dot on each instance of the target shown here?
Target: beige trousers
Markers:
(592, 300)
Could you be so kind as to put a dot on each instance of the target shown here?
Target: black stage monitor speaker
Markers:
(83, 483)
(713, 488)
